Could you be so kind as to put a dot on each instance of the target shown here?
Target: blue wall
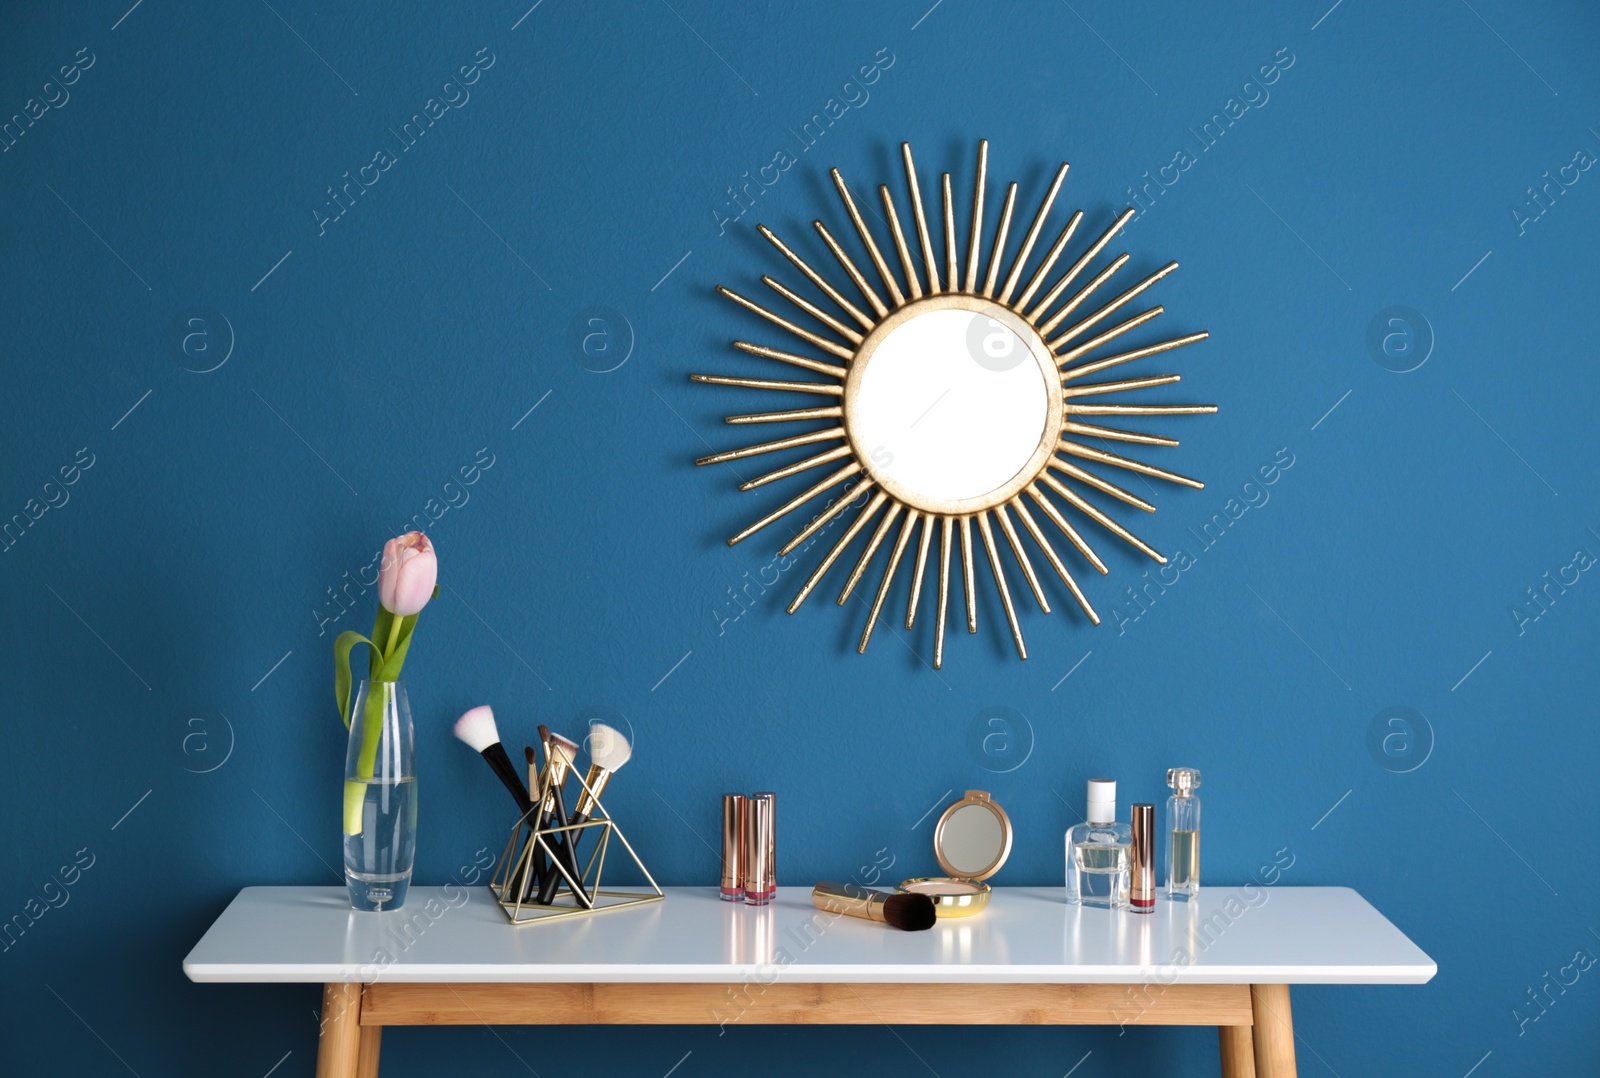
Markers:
(168, 616)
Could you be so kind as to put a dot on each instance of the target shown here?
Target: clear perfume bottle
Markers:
(1183, 832)
(1098, 852)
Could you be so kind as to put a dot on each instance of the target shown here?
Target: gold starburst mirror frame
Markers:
(957, 401)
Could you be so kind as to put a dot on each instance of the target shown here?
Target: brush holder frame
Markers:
(514, 875)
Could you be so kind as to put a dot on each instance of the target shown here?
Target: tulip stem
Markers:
(371, 730)
(394, 635)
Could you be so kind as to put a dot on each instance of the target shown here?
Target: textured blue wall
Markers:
(168, 615)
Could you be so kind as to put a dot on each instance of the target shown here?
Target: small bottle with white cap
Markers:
(1098, 851)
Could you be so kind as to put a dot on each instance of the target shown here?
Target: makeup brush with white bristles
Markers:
(561, 752)
(477, 729)
(608, 751)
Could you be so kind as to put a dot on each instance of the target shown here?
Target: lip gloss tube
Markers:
(733, 843)
(1142, 860)
(758, 885)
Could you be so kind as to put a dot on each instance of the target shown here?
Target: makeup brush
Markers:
(477, 729)
(561, 752)
(535, 881)
(608, 751)
(908, 912)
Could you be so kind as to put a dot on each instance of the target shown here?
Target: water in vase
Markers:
(377, 862)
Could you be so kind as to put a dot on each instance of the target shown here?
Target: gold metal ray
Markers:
(1022, 557)
(1109, 335)
(1049, 260)
(1092, 388)
(1142, 409)
(1084, 293)
(1088, 510)
(1053, 558)
(822, 519)
(812, 309)
(922, 564)
(1077, 267)
(1088, 478)
(1127, 357)
(866, 238)
(778, 320)
(922, 219)
(950, 255)
(888, 579)
(1021, 261)
(789, 357)
(791, 416)
(968, 579)
(1000, 583)
(838, 548)
(893, 217)
(1066, 527)
(796, 468)
(1102, 457)
(823, 389)
(1112, 306)
(1113, 434)
(871, 548)
(944, 591)
(997, 253)
(850, 268)
(798, 500)
(817, 279)
(769, 447)
(975, 237)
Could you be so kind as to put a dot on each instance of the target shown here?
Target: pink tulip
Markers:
(407, 574)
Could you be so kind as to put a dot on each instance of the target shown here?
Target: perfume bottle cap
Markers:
(1185, 780)
(1102, 800)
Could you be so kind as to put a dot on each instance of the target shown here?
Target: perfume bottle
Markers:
(1098, 851)
(1183, 828)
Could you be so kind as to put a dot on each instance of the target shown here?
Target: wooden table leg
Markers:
(339, 1046)
(1274, 1031)
(371, 1041)
(1238, 1051)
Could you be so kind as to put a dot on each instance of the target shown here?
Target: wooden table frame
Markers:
(1254, 1024)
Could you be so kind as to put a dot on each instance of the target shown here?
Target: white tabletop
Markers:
(1277, 935)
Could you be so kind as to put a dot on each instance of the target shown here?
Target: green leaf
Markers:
(341, 669)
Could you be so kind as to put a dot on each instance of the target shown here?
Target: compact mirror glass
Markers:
(950, 404)
(971, 841)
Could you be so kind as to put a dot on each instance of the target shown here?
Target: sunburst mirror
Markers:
(958, 399)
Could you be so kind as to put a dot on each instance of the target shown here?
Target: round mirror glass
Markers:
(971, 840)
(950, 404)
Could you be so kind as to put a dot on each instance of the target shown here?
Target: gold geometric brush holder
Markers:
(515, 882)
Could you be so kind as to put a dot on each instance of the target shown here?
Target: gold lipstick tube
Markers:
(758, 884)
(1142, 860)
(733, 840)
(772, 839)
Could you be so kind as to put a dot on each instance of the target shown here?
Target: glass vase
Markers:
(380, 797)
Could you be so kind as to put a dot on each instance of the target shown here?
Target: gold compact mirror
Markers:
(962, 401)
(971, 841)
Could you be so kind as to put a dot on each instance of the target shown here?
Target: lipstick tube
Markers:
(758, 885)
(1142, 860)
(733, 831)
(772, 839)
